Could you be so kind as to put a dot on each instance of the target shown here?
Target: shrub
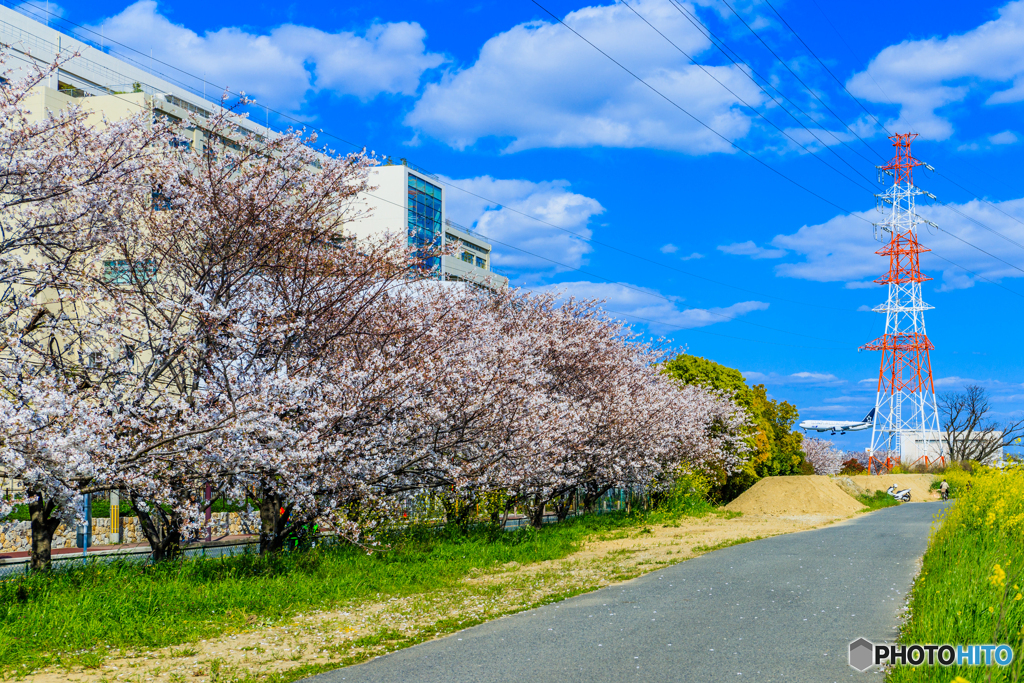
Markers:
(852, 466)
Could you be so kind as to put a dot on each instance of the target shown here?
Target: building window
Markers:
(481, 262)
(120, 271)
(467, 257)
(424, 216)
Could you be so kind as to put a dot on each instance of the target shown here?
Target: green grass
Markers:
(877, 500)
(77, 616)
(961, 597)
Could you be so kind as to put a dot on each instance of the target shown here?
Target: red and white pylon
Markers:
(906, 415)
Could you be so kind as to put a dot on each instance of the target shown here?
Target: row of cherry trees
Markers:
(175, 318)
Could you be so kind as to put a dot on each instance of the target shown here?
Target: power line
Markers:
(884, 129)
(946, 205)
(660, 296)
(849, 213)
(498, 204)
(806, 87)
(648, 293)
(981, 199)
(980, 277)
(829, 71)
(474, 194)
(747, 69)
(745, 103)
(889, 99)
(695, 119)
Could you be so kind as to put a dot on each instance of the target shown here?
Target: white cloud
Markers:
(750, 249)
(646, 306)
(804, 377)
(550, 201)
(1005, 138)
(694, 255)
(829, 409)
(281, 66)
(843, 249)
(955, 382)
(669, 249)
(922, 76)
(539, 85)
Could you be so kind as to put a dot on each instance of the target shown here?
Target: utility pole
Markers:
(905, 407)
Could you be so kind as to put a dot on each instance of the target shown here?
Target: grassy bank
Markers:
(877, 500)
(970, 586)
(80, 616)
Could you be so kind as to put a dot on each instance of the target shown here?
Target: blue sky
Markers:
(745, 257)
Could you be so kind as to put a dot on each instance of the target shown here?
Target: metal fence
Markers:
(13, 568)
(614, 500)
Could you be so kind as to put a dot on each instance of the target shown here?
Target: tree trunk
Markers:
(562, 506)
(43, 528)
(161, 529)
(275, 516)
(591, 495)
(458, 510)
(537, 511)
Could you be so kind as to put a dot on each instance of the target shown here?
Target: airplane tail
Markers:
(870, 417)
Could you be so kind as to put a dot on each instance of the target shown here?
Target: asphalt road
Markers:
(779, 609)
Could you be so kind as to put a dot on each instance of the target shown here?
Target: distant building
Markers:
(915, 447)
(409, 200)
(99, 81)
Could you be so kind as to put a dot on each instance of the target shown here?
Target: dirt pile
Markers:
(849, 485)
(797, 495)
(917, 483)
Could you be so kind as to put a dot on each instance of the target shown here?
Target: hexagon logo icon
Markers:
(861, 651)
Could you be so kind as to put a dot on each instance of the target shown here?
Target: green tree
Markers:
(775, 447)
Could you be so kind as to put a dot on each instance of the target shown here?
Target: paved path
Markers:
(779, 609)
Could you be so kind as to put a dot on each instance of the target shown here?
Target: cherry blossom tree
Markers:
(64, 184)
(179, 316)
(823, 456)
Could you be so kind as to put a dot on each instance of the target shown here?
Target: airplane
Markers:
(841, 426)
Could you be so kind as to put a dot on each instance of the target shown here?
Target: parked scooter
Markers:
(902, 496)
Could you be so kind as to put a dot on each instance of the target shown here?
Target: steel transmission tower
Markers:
(905, 408)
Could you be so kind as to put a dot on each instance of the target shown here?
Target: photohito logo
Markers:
(864, 654)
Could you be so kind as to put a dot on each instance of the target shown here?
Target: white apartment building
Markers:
(121, 85)
(407, 199)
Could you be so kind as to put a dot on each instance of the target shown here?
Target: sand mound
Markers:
(796, 495)
(917, 483)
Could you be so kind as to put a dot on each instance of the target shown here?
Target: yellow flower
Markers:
(998, 577)
(960, 679)
(1019, 596)
(991, 609)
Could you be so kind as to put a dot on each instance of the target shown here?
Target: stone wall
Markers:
(16, 536)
